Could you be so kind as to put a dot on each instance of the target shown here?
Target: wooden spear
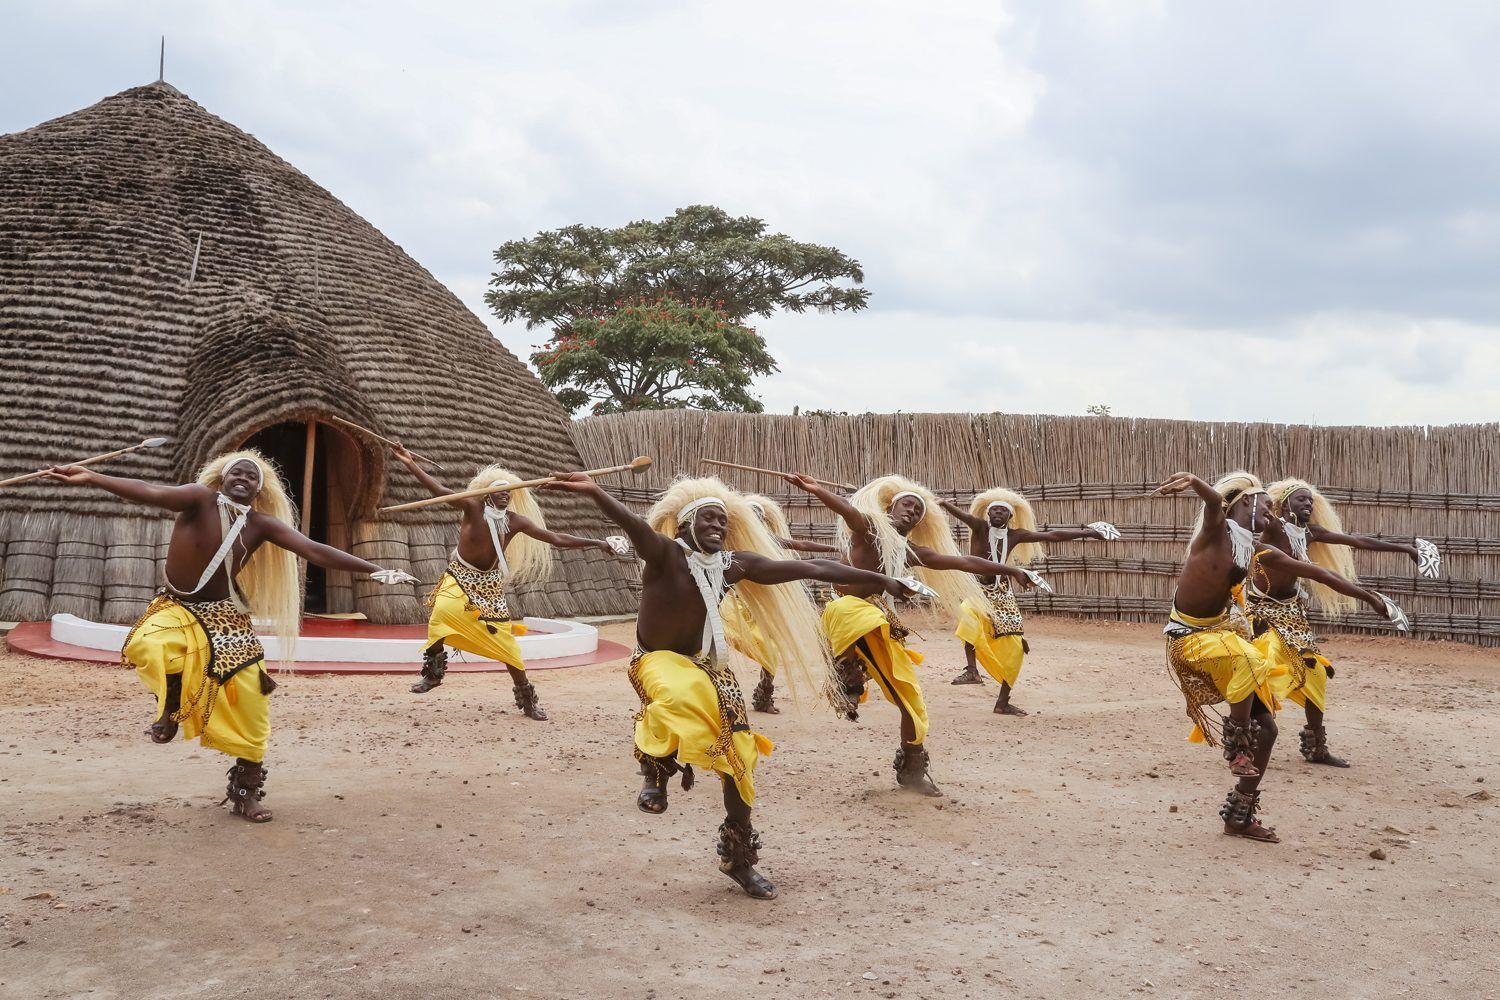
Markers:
(148, 443)
(369, 433)
(635, 465)
(778, 475)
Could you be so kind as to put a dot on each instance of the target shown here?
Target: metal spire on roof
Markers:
(161, 68)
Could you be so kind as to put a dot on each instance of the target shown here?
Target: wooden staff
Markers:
(369, 433)
(636, 465)
(778, 475)
(148, 443)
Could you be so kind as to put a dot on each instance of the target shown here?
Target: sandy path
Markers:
(444, 845)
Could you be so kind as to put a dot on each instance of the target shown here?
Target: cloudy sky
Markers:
(1201, 209)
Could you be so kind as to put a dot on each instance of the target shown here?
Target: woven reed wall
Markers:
(1442, 483)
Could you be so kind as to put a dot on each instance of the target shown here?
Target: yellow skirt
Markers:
(1000, 656)
(742, 632)
(455, 624)
(1218, 665)
(1287, 665)
(236, 719)
(849, 619)
(682, 714)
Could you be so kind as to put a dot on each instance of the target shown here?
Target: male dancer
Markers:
(501, 540)
(893, 524)
(1309, 529)
(700, 538)
(1002, 527)
(195, 647)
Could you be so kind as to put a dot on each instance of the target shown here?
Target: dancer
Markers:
(892, 524)
(698, 539)
(195, 648)
(1208, 645)
(469, 611)
(740, 629)
(1002, 527)
(1307, 528)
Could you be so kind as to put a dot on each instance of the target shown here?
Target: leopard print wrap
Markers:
(1289, 620)
(1005, 613)
(484, 591)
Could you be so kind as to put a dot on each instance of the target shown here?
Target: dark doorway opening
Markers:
(324, 502)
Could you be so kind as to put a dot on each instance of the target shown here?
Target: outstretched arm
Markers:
(173, 498)
(1019, 536)
(977, 565)
(283, 534)
(962, 513)
(649, 544)
(806, 545)
(434, 487)
(857, 522)
(1278, 560)
(1357, 541)
(758, 569)
(558, 539)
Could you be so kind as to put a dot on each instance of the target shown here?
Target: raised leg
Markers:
(656, 771)
(970, 672)
(1239, 739)
(739, 846)
(526, 696)
(165, 728)
(434, 667)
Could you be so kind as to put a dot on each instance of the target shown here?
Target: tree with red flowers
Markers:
(655, 354)
(701, 272)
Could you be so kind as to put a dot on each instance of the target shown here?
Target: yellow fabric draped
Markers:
(454, 623)
(1217, 664)
(682, 714)
(742, 632)
(1000, 656)
(1287, 664)
(849, 619)
(233, 718)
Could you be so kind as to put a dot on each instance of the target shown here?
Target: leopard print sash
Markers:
(1005, 613)
(1289, 620)
(232, 642)
(484, 590)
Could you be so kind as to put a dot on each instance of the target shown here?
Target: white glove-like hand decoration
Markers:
(917, 587)
(1038, 582)
(1109, 531)
(390, 576)
(1396, 616)
(618, 544)
(1429, 559)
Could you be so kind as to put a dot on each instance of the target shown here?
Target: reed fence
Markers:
(1442, 483)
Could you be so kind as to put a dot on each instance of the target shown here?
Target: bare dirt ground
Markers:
(446, 846)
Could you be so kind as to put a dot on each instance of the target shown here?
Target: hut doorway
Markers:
(324, 491)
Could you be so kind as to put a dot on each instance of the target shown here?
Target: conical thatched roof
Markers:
(299, 309)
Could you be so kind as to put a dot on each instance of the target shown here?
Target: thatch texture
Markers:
(299, 309)
(1442, 483)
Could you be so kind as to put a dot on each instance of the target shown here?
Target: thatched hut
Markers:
(164, 273)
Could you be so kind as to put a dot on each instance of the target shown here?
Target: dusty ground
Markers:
(446, 846)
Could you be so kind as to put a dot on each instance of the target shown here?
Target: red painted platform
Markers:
(35, 639)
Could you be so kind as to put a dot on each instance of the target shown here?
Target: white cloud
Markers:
(1057, 203)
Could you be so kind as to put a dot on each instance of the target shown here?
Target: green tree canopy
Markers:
(698, 253)
(655, 354)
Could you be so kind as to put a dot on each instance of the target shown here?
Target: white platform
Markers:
(546, 638)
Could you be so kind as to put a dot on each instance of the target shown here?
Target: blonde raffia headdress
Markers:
(270, 579)
(1021, 516)
(771, 513)
(1232, 488)
(934, 531)
(1337, 558)
(526, 558)
(784, 612)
